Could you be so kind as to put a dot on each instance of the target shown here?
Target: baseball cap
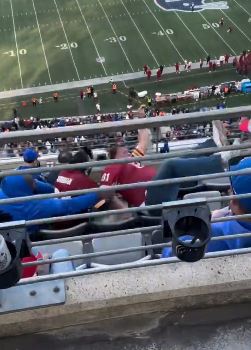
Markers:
(241, 184)
(30, 155)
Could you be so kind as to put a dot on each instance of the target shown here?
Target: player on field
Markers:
(81, 93)
(34, 101)
(145, 68)
(192, 7)
(121, 174)
(149, 73)
(177, 68)
(185, 65)
(208, 59)
(201, 63)
(226, 58)
(189, 66)
(210, 66)
(114, 88)
(98, 108)
(55, 96)
(161, 67)
(159, 74)
(221, 22)
(88, 92)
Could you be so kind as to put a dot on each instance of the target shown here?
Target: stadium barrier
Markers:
(154, 122)
(177, 281)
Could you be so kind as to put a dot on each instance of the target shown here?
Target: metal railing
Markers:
(156, 122)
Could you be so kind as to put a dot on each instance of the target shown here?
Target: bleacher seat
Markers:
(102, 243)
(118, 242)
(206, 194)
(74, 248)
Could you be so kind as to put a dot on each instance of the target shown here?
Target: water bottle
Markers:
(65, 266)
(5, 257)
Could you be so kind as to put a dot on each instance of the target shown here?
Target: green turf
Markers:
(70, 104)
(121, 32)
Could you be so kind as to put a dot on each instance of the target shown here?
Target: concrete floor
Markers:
(220, 328)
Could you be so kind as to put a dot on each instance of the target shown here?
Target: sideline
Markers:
(88, 82)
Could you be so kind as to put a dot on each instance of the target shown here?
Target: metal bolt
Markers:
(33, 293)
(56, 289)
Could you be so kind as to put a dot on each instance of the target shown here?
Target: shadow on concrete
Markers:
(217, 328)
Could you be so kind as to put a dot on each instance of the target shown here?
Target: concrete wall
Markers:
(165, 288)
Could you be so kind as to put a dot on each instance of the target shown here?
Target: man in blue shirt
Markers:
(21, 186)
(30, 157)
(241, 184)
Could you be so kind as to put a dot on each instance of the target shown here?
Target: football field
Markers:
(46, 42)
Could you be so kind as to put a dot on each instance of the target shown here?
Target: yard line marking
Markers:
(236, 25)
(103, 80)
(153, 56)
(91, 37)
(198, 42)
(15, 35)
(116, 36)
(231, 49)
(243, 8)
(174, 46)
(67, 40)
(38, 26)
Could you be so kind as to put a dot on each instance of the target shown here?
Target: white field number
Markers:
(113, 39)
(13, 53)
(209, 26)
(168, 31)
(65, 46)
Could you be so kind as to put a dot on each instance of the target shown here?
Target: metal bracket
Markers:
(189, 218)
(32, 296)
(184, 203)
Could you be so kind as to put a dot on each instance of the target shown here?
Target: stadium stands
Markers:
(97, 240)
(201, 210)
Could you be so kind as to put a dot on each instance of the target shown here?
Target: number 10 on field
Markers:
(13, 53)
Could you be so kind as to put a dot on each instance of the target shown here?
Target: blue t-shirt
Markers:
(223, 229)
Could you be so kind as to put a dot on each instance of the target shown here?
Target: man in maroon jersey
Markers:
(159, 74)
(149, 73)
(75, 179)
(121, 174)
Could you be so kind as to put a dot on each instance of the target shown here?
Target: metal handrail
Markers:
(153, 122)
(95, 235)
(135, 185)
(125, 266)
(132, 210)
(102, 163)
(124, 250)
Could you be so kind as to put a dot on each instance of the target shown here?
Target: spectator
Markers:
(30, 157)
(180, 167)
(241, 184)
(165, 148)
(121, 174)
(20, 186)
(64, 157)
(75, 179)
